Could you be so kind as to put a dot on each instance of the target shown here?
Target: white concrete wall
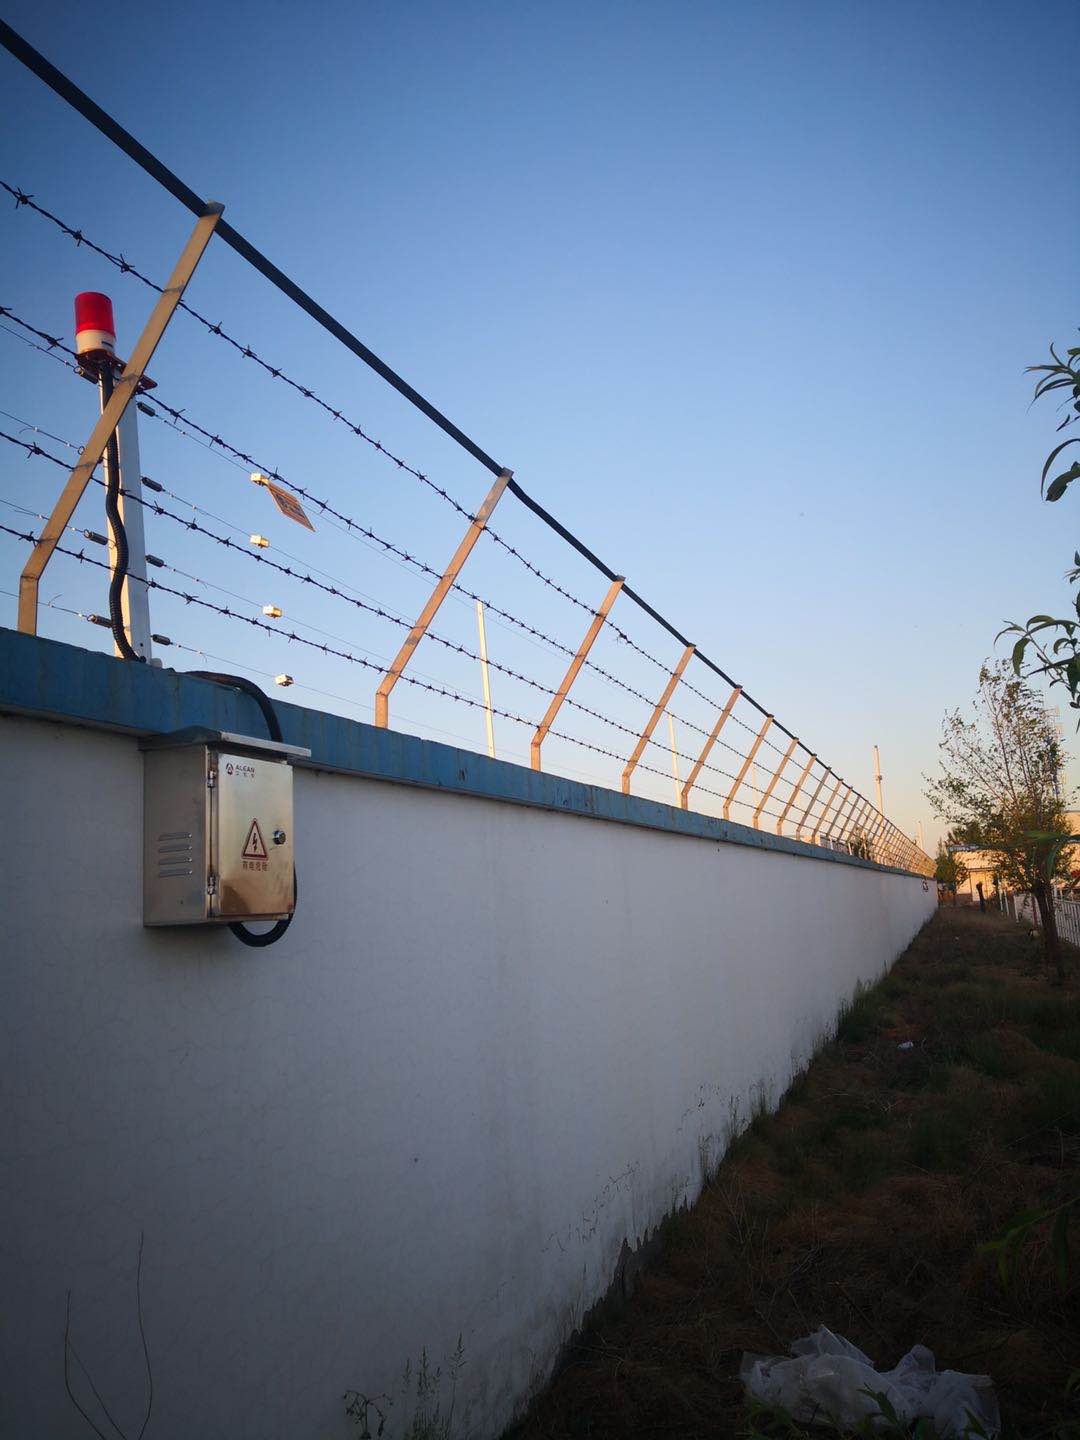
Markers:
(488, 1053)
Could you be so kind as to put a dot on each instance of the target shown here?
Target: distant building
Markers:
(980, 865)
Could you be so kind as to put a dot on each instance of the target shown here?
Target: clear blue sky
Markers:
(743, 293)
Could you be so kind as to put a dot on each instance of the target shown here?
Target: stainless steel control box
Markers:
(217, 828)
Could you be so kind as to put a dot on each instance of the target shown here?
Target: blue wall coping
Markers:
(86, 687)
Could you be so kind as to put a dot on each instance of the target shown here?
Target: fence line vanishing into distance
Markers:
(795, 790)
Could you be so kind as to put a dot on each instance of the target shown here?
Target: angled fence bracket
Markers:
(684, 798)
(669, 690)
(813, 801)
(772, 783)
(825, 810)
(794, 795)
(843, 815)
(746, 765)
(124, 392)
(572, 672)
(438, 595)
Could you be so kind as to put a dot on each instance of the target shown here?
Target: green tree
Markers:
(1050, 645)
(1001, 788)
(949, 869)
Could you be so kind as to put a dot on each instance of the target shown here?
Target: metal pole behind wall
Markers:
(772, 783)
(485, 678)
(661, 705)
(674, 756)
(684, 798)
(746, 766)
(840, 811)
(123, 393)
(813, 801)
(877, 780)
(878, 836)
(863, 812)
(794, 794)
(438, 595)
(853, 808)
(825, 810)
(572, 672)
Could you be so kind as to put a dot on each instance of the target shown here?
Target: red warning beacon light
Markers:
(95, 329)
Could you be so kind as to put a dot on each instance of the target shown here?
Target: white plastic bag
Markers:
(830, 1379)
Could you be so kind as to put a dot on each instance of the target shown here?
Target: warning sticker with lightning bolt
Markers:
(254, 845)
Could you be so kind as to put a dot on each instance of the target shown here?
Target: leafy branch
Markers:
(1051, 643)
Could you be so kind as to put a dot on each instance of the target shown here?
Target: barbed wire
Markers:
(587, 777)
(433, 688)
(215, 440)
(33, 449)
(164, 640)
(222, 445)
(24, 199)
(79, 237)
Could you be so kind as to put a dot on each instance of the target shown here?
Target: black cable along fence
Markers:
(801, 796)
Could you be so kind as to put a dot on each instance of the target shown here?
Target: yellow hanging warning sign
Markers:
(284, 499)
(254, 845)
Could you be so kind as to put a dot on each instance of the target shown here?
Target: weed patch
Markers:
(863, 1204)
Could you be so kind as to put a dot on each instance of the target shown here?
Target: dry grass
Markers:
(862, 1204)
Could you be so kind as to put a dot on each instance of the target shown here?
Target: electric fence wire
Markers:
(34, 450)
(293, 638)
(216, 442)
(79, 237)
(95, 619)
(63, 86)
(587, 777)
(221, 446)
(31, 449)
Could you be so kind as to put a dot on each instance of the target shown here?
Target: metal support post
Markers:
(858, 828)
(877, 830)
(438, 595)
(866, 809)
(661, 706)
(772, 783)
(674, 756)
(123, 393)
(746, 765)
(840, 810)
(572, 671)
(877, 780)
(846, 823)
(813, 801)
(134, 597)
(825, 810)
(794, 794)
(695, 771)
(485, 677)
